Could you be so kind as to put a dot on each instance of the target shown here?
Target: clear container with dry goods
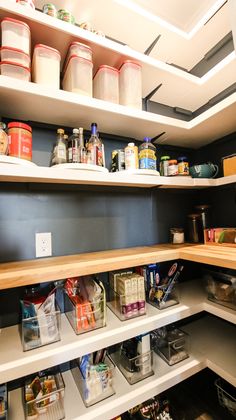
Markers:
(79, 49)
(15, 34)
(78, 76)
(221, 288)
(3, 402)
(44, 397)
(46, 66)
(172, 344)
(106, 84)
(130, 84)
(16, 56)
(17, 71)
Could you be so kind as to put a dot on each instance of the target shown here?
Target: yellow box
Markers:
(229, 165)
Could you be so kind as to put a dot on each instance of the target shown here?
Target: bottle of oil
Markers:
(95, 147)
(60, 149)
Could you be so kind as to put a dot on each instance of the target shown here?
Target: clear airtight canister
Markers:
(131, 156)
(147, 155)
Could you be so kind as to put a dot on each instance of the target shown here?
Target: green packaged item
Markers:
(50, 9)
(65, 15)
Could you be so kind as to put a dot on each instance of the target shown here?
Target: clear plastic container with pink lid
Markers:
(15, 56)
(78, 76)
(46, 66)
(79, 49)
(15, 34)
(130, 84)
(106, 84)
(15, 70)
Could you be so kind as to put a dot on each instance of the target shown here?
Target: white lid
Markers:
(131, 144)
(75, 131)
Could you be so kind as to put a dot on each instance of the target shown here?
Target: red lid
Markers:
(19, 22)
(11, 63)
(47, 48)
(14, 49)
(79, 58)
(130, 62)
(81, 45)
(104, 66)
(19, 125)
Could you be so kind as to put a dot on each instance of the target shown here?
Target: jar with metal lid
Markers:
(20, 140)
(195, 228)
(183, 166)
(177, 235)
(3, 139)
(205, 213)
(172, 169)
(164, 165)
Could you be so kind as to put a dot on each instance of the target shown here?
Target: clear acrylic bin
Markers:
(16, 71)
(41, 330)
(3, 402)
(78, 76)
(126, 306)
(85, 317)
(106, 84)
(157, 297)
(49, 406)
(226, 395)
(15, 56)
(172, 345)
(95, 388)
(15, 34)
(130, 84)
(135, 369)
(221, 289)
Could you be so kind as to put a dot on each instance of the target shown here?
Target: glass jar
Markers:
(183, 166)
(164, 165)
(20, 140)
(3, 140)
(195, 228)
(172, 169)
(176, 235)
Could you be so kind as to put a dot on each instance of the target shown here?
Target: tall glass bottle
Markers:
(60, 150)
(82, 150)
(73, 147)
(95, 147)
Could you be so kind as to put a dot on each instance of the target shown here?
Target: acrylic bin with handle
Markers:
(134, 369)
(171, 344)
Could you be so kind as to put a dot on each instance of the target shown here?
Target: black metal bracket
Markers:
(149, 96)
(152, 45)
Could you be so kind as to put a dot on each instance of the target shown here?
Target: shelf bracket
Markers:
(148, 97)
(152, 45)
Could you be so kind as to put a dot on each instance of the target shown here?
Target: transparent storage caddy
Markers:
(226, 395)
(50, 406)
(3, 402)
(95, 388)
(126, 306)
(85, 317)
(41, 330)
(172, 345)
(157, 297)
(221, 289)
(134, 369)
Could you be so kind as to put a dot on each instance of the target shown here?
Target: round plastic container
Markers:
(130, 84)
(15, 34)
(13, 55)
(20, 140)
(78, 76)
(15, 70)
(106, 84)
(46, 66)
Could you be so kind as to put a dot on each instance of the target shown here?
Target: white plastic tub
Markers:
(15, 34)
(78, 76)
(14, 55)
(46, 66)
(130, 84)
(79, 49)
(15, 70)
(106, 84)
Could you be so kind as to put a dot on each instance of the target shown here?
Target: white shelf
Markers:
(14, 173)
(207, 350)
(16, 363)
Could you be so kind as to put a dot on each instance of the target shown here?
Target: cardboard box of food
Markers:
(220, 236)
(229, 165)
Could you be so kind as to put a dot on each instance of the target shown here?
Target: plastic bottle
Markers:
(73, 147)
(131, 156)
(60, 149)
(95, 147)
(147, 155)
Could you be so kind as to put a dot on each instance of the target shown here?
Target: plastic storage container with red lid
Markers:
(79, 49)
(130, 84)
(15, 34)
(106, 84)
(46, 66)
(15, 70)
(14, 55)
(78, 76)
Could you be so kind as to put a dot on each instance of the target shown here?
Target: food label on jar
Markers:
(183, 168)
(131, 158)
(147, 163)
(20, 146)
(172, 170)
(178, 238)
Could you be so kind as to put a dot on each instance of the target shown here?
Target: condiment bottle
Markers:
(172, 168)
(60, 149)
(82, 150)
(147, 155)
(183, 165)
(131, 156)
(73, 147)
(164, 165)
(95, 147)
(3, 139)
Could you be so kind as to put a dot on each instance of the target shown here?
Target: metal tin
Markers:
(118, 160)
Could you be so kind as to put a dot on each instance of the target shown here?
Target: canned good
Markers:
(177, 235)
(131, 156)
(65, 15)
(20, 140)
(118, 160)
(172, 169)
(164, 165)
(183, 165)
(50, 9)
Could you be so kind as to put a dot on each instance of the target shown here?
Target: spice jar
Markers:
(172, 169)
(3, 139)
(183, 165)
(20, 140)
(176, 235)
(164, 165)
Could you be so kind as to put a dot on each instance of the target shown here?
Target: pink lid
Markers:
(104, 66)
(130, 62)
(78, 58)
(14, 49)
(80, 45)
(18, 22)
(47, 48)
(10, 63)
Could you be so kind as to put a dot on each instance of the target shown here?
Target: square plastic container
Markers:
(85, 317)
(221, 289)
(78, 76)
(46, 66)
(49, 406)
(15, 34)
(172, 345)
(226, 395)
(158, 297)
(135, 369)
(13, 55)
(126, 306)
(95, 388)
(130, 84)
(106, 84)
(41, 330)
(3, 402)
(79, 49)
(15, 70)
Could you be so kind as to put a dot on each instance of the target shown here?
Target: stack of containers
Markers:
(15, 49)
(46, 66)
(78, 69)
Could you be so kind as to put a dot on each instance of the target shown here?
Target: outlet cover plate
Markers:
(43, 244)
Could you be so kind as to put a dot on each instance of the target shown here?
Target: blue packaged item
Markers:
(147, 155)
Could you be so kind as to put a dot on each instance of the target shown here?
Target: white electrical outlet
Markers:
(43, 244)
